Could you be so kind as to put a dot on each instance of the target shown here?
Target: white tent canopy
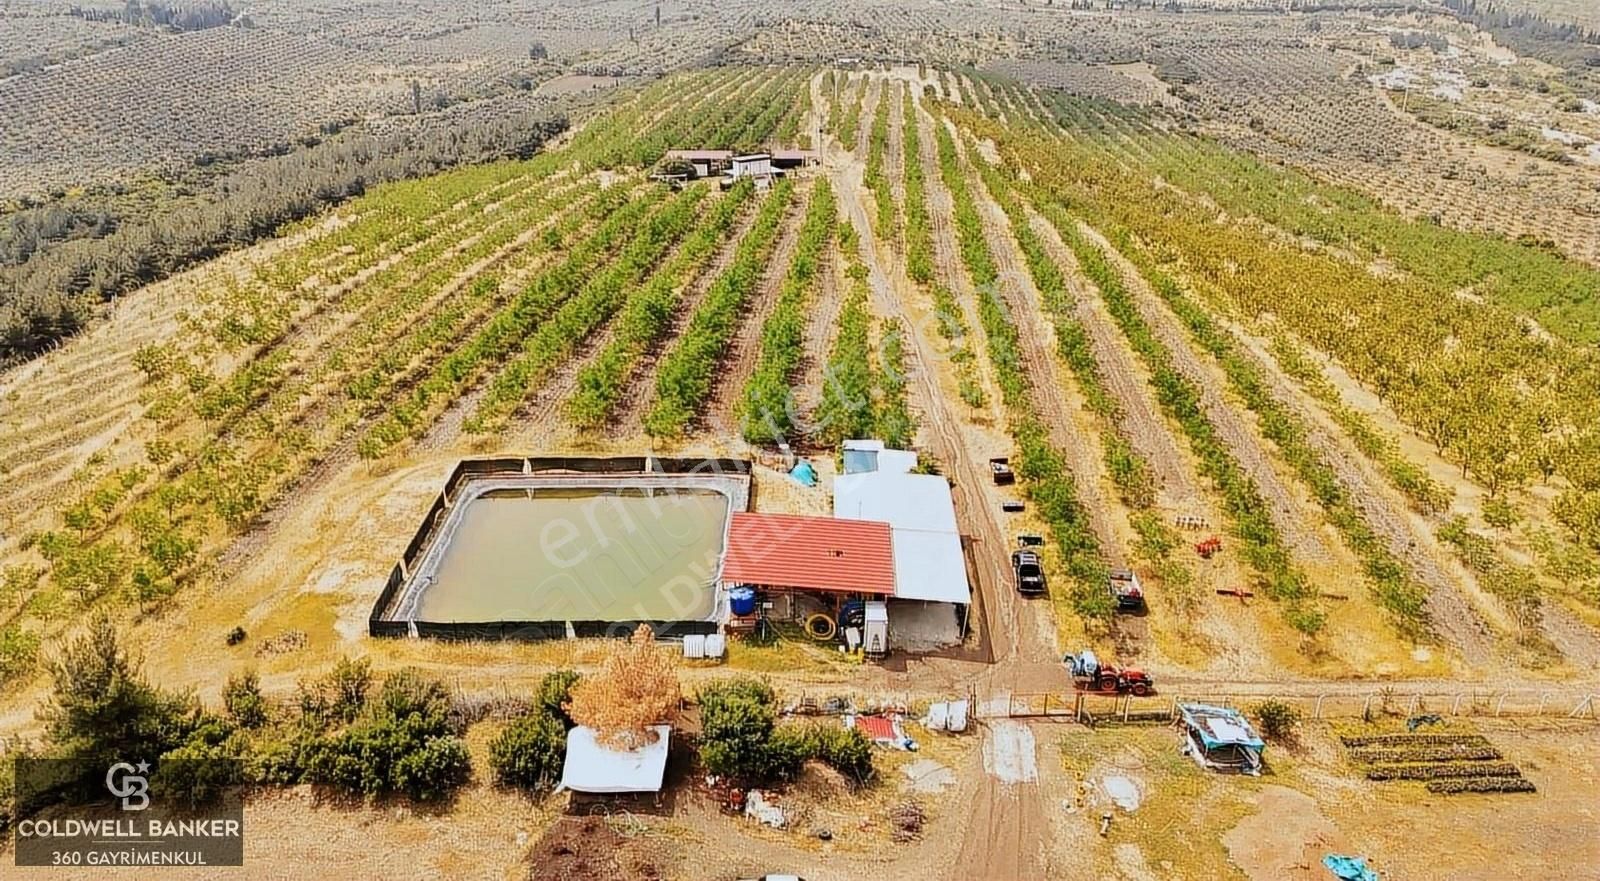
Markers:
(591, 767)
(928, 563)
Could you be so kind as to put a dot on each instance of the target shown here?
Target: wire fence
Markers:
(1329, 705)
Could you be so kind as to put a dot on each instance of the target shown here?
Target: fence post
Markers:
(1127, 701)
(1543, 697)
(1455, 705)
(1316, 709)
(1500, 701)
(1366, 706)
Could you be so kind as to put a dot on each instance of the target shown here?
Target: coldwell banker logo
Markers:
(133, 788)
(66, 819)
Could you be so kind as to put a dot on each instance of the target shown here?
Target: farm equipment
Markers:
(1028, 540)
(1029, 572)
(1125, 589)
(1208, 548)
(1000, 470)
(1011, 506)
(1088, 674)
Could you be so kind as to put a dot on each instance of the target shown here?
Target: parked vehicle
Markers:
(1126, 590)
(1088, 674)
(1029, 572)
(1000, 470)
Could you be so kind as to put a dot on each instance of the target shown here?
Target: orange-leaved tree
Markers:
(635, 687)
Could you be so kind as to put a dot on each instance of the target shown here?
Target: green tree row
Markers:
(687, 373)
(768, 408)
(586, 311)
(647, 317)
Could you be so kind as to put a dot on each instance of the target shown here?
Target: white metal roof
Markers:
(928, 563)
(591, 767)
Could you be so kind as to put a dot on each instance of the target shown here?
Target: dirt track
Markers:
(1007, 819)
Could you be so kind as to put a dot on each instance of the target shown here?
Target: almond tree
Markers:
(636, 687)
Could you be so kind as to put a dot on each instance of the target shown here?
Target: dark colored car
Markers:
(1029, 572)
(1125, 590)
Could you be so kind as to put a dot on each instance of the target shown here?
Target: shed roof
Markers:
(813, 553)
(703, 155)
(928, 561)
(1220, 726)
(591, 767)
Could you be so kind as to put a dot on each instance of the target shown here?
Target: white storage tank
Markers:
(716, 644)
(694, 646)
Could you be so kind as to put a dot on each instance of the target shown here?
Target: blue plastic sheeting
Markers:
(803, 473)
(1220, 726)
(1349, 868)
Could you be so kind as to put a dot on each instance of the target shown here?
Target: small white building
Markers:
(757, 165)
(596, 769)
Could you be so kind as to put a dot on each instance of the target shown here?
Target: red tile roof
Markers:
(877, 727)
(811, 553)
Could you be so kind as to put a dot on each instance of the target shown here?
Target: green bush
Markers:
(339, 696)
(197, 772)
(1278, 720)
(847, 750)
(734, 730)
(102, 709)
(530, 751)
(243, 701)
(1499, 513)
(786, 751)
(555, 692)
(435, 768)
(404, 741)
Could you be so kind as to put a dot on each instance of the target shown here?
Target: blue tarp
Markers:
(803, 473)
(1349, 868)
(1220, 726)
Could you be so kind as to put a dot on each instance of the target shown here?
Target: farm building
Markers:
(787, 159)
(931, 593)
(755, 166)
(825, 572)
(704, 162)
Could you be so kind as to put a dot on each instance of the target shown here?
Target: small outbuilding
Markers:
(1220, 738)
(704, 162)
(752, 165)
(595, 769)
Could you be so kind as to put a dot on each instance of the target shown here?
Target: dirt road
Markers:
(1008, 822)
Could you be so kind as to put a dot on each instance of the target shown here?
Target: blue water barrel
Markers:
(742, 601)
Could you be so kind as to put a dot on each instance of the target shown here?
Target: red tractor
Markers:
(1088, 674)
(1208, 548)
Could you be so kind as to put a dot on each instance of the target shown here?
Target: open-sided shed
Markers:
(591, 767)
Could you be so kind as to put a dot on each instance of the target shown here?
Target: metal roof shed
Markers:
(928, 561)
(594, 768)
